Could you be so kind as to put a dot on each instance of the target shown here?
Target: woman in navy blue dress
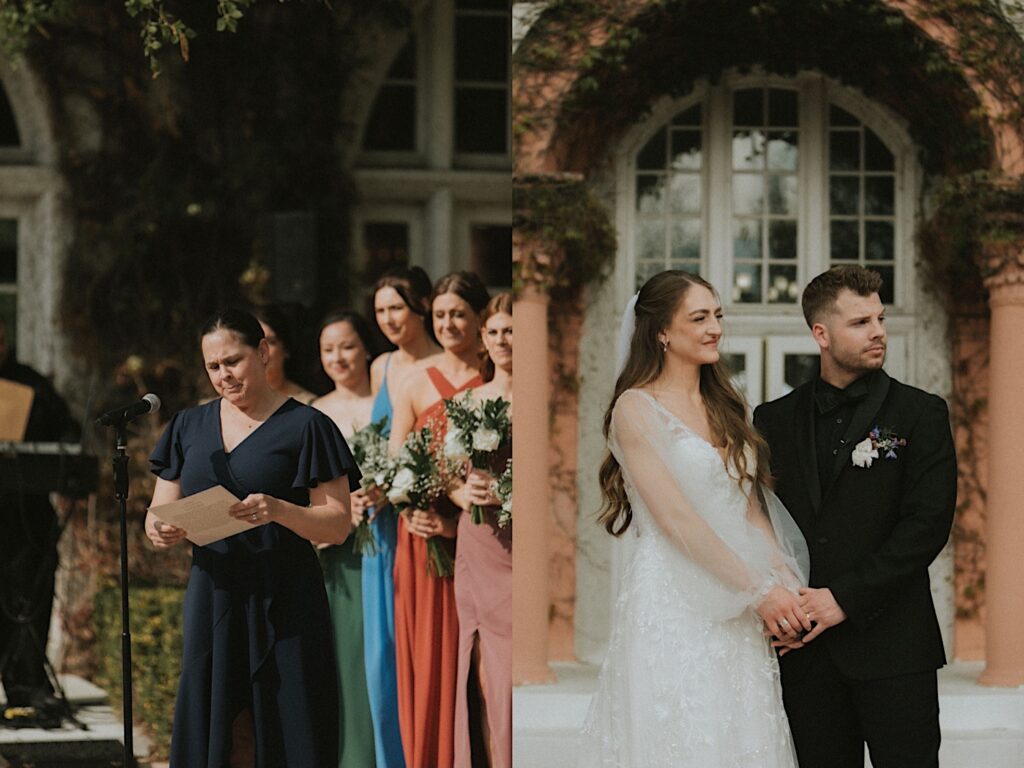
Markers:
(256, 685)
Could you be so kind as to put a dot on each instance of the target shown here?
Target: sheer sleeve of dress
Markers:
(701, 508)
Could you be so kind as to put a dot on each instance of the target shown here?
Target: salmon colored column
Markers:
(530, 441)
(1004, 586)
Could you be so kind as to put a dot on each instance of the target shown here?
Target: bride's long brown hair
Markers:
(656, 304)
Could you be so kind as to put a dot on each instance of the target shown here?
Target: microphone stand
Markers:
(121, 492)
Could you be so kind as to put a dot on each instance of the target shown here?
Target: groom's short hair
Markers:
(821, 293)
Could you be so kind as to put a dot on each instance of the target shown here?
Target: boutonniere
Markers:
(881, 441)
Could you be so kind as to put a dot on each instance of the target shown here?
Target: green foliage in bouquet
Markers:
(476, 430)
(503, 490)
(421, 476)
(370, 449)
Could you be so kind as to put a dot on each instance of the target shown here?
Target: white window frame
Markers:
(410, 215)
(815, 94)
(465, 217)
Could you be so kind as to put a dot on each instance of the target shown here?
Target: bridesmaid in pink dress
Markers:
(483, 581)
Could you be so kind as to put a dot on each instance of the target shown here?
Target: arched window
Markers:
(758, 183)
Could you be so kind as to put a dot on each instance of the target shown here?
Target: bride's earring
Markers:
(664, 345)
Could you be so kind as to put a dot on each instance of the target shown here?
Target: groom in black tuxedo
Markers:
(866, 467)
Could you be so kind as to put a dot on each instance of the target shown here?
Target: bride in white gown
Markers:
(690, 679)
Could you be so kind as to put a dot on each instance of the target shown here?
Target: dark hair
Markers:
(413, 286)
(467, 286)
(275, 316)
(500, 303)
(237, 321)
(821, 293)
(359, 325)
(657, 302)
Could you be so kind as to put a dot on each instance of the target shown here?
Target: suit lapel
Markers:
(862, 420)
(806, 447)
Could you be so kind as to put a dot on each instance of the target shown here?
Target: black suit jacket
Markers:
(874, 531)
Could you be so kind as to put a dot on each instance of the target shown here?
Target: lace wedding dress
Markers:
(689, 679)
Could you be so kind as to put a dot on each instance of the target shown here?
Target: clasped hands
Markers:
(793, 620)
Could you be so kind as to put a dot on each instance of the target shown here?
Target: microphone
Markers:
(148, 404)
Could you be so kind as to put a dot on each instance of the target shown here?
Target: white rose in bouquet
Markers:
(404, 480)
(453, 445)
(486, 440)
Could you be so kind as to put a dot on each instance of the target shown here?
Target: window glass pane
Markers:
(799, 368)
(782, 287)
(404, 65)
(686, 241)
(844, 150)
(878, 241)
(9, 251)
(844, 239)
(782, 151)
(885, 293)
(490, 254)
(481, 120)
(689, 116)
(748, 151)
(8, 127)
(736, 364)
(748, 107)
(650, 192)
(746, 287)
(480, 43)
(645, 270)
(747, 194)
(9, 314)
(652, 156)
(385, 246)
(878, 196)
(686, 150)
(782, 240)
(782, 108)
(392, 123)
(684, 193)
(746, 239)
(650, 240)
(877, 156)
(839, 116)
(844, 195)
(782, 194)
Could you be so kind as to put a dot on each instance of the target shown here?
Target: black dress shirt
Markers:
(833, 408)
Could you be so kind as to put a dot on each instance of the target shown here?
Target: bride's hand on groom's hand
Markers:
(780, 610)
(821, 606)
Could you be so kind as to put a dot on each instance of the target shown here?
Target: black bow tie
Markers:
(827, 398)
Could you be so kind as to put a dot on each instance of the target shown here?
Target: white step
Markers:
(982, 727)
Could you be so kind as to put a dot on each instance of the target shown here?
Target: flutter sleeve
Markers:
(168, 457)
(324, 455)
(738, 553)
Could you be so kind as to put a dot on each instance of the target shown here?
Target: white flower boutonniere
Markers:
(864, 453)
(882, 439)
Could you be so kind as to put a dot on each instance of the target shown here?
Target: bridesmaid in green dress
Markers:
(345, 354)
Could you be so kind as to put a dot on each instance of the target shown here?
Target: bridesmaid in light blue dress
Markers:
(401, 306)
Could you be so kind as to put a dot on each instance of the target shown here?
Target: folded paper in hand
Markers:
(203, 515)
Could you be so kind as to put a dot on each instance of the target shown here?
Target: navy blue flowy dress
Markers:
(257, 629)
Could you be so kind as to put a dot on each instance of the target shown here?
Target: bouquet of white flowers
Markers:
(370, 449)
(503, 490)
(420, 476)
(476, 430)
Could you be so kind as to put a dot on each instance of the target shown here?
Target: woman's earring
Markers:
(664, 345)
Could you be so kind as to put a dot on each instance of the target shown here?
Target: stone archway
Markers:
(583, 76)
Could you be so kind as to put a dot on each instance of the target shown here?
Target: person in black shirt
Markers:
(28, 551)
(866, 466)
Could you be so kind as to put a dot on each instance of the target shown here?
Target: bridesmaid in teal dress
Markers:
(401, 303)
(345, 352)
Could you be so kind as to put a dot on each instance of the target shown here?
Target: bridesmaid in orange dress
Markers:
(426, 624)
(483, 581)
